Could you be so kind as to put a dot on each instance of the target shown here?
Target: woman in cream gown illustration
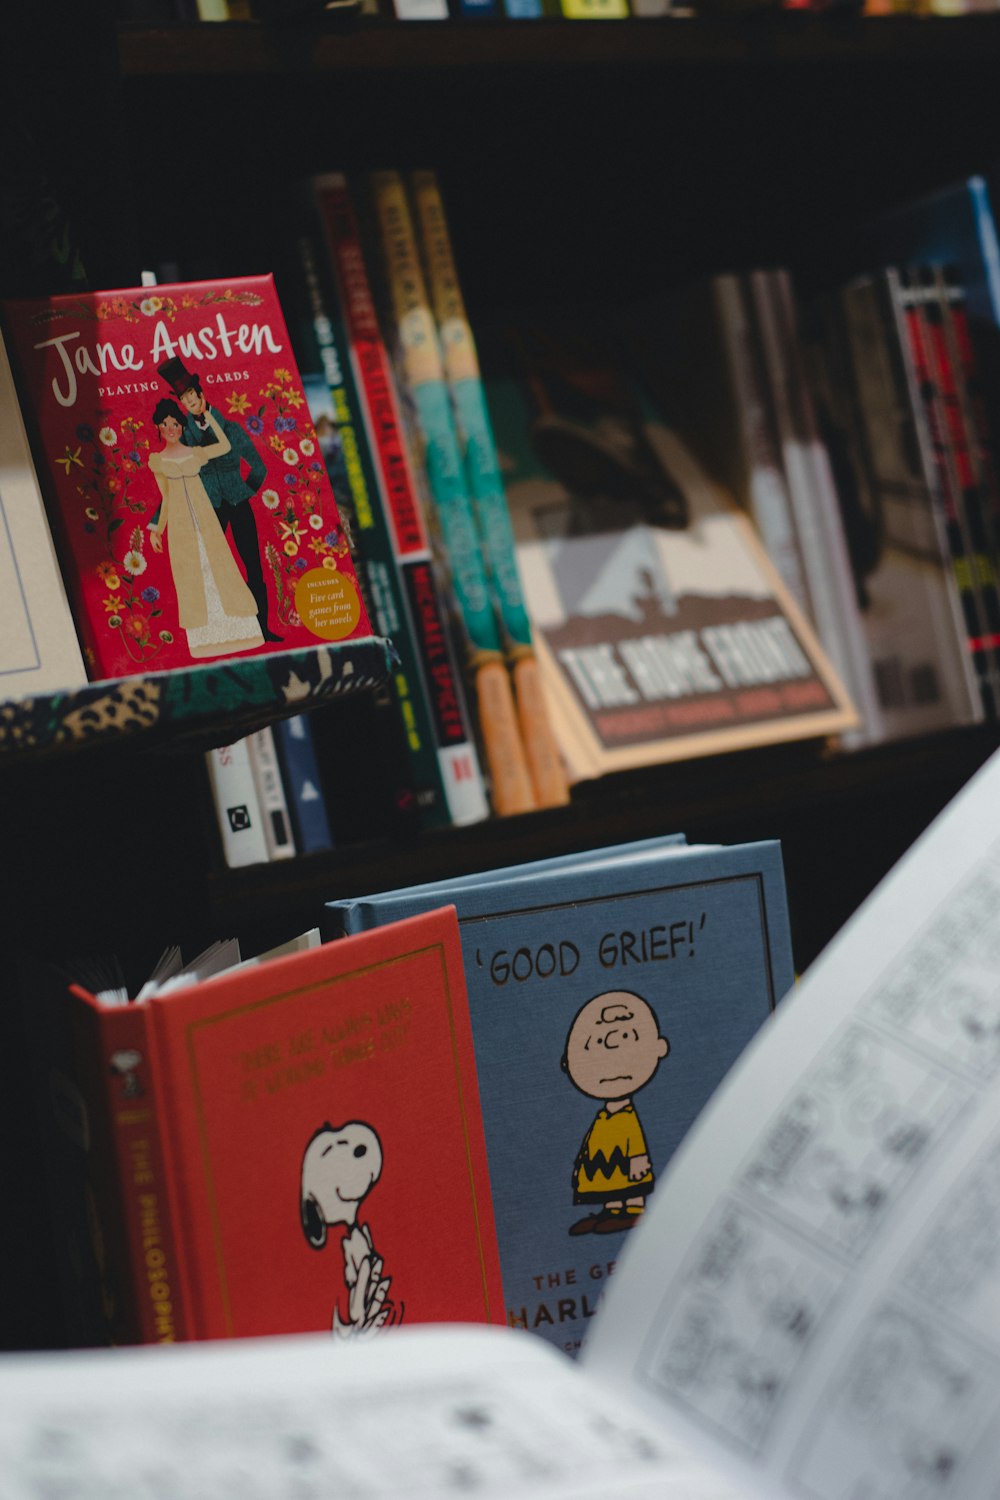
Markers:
(214, 605)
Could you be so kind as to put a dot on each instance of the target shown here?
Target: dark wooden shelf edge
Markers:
(210, 704)
(367, 45)
(759, 793)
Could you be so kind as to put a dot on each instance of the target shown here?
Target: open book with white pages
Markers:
(810, 1308)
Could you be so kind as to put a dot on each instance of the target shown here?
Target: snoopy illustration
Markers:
(340, 1166)
(125, 1063)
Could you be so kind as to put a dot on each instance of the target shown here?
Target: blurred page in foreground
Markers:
(420, 1412)
(815, 1298)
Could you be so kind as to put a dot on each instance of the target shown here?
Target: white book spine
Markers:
(815, 503)
(271, 793)
(912, 620)
(237, 805)
(771, 507)
(421, 10)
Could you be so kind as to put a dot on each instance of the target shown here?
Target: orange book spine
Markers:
(486, 488)
(422, 371)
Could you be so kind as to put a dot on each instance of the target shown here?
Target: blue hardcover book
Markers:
(303, 786)
(357, 913)
(608, 1001)
(954, 226)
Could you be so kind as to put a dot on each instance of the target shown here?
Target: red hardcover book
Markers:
(194, 516)
(293, 1145)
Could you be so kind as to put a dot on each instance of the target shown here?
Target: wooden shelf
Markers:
(355, 43)
(198, 707)
(843, 821)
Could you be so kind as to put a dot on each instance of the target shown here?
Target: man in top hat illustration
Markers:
(223, 478)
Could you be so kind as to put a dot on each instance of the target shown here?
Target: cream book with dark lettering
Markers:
(664, 631)
(39, 650)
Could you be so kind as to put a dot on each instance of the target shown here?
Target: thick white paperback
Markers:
(39, 650)
(237, 804)
(271, 794)
(815, 505)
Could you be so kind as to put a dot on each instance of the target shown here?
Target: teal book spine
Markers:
(481, 465)
(339, 415)
(404, 544)
(421, 367)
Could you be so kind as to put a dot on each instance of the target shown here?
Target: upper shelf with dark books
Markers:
(362, 44)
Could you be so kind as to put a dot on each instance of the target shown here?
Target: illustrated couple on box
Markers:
(204, 495)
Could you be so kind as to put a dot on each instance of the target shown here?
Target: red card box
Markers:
(185, 535)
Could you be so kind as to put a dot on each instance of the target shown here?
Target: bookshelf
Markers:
(577, 160)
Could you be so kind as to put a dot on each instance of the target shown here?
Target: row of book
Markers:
(945, 8)
(853, 420)
(853, 424)
(806, 443)
(925, 7)
(366, 513)
(603, 559)
(462, 1023)
(526, 10)
(154, 11)
(269, 795)
(540, 517)
(901, 362)
(391, 372)
(856, 436)
(858, 427)
(605, 549)
(861, 451)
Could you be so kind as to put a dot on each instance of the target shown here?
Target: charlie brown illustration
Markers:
(613, 1049)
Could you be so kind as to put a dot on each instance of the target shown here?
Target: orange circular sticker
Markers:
(328, 603)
